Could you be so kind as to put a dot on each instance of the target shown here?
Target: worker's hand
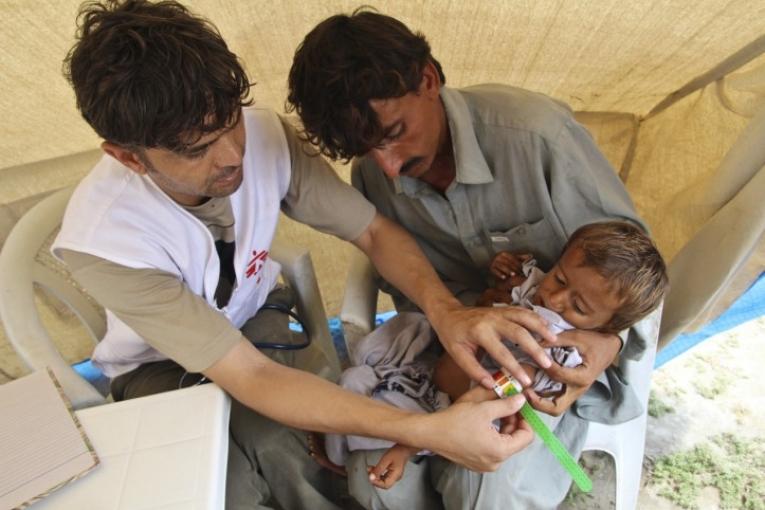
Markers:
(463, 433)
(463, 331)
(507, 424)
(506, 264)
(598, 351)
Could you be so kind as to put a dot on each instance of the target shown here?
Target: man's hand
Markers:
(598, 351)
(508, 424)
(463, 331)
(463, 433)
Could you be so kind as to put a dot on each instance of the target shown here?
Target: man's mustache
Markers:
(406, 167)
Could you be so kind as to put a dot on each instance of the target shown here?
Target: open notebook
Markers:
(42, 446)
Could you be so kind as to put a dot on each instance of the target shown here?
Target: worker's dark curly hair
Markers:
(153, 74)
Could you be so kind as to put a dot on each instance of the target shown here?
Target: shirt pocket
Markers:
(537, 238)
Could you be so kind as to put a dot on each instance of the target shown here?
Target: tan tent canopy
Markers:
(666, 87)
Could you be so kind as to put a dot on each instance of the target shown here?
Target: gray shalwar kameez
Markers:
(527, 176)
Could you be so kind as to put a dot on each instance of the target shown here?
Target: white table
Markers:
(167, 451)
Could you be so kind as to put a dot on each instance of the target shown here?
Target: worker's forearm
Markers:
(305, 401)
(398, 259)
(302, 400)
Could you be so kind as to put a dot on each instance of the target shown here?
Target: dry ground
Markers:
(705, 445)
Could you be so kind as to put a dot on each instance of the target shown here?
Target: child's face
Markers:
(577, 293)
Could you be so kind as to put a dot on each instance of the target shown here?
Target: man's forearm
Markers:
(461, 433)
(302, 400)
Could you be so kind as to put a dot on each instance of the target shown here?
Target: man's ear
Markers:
(125, 156)
(431, 81)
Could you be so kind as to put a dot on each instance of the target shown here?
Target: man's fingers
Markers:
(503, 357)
(472, 368)
(517, 332)
(518, 437)
(508, 424)
(530, 321)
(569, 338)
(541, 404)
(507, 406)
(580, 375)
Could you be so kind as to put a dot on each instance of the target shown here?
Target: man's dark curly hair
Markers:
(343, 63)
(153, 74)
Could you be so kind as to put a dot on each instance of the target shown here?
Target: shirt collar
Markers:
(471, 164)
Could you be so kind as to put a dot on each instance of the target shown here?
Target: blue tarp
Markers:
(749, 306)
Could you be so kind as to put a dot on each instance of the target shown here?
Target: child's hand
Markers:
(506, 264)
(493, 295)
(390, 468)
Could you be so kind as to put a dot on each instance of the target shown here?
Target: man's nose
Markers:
(389, 162)
(229, 152)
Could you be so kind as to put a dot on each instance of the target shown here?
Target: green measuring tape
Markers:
(506, 386)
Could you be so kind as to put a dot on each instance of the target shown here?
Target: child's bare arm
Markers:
(390, 468)
(495, 295)
(450, 378)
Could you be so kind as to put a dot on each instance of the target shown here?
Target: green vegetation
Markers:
(712, 387)
(735, 467)
(592, 462)
(658, 408)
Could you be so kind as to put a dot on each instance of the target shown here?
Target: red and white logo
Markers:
(256, 263)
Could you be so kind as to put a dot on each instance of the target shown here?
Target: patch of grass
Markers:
(741, 413)
(675, 392)
(578, 499)
(592, 463)
(710, 388)
(742, 482)
(735, 467)
(658, 408)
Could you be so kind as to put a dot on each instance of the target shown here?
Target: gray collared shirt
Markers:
(527, 176)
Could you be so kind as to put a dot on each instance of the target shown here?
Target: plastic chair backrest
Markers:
(21, 270)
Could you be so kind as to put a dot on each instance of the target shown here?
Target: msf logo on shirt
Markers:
(256, 263)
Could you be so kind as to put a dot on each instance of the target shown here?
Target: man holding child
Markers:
(469, 173)
(193, 179)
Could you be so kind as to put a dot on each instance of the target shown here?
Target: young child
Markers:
(609, 277)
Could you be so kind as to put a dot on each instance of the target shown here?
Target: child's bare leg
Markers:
(318, 452)
(450, 378)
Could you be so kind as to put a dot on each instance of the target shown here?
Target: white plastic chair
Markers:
(625, 442)
(20, 269)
